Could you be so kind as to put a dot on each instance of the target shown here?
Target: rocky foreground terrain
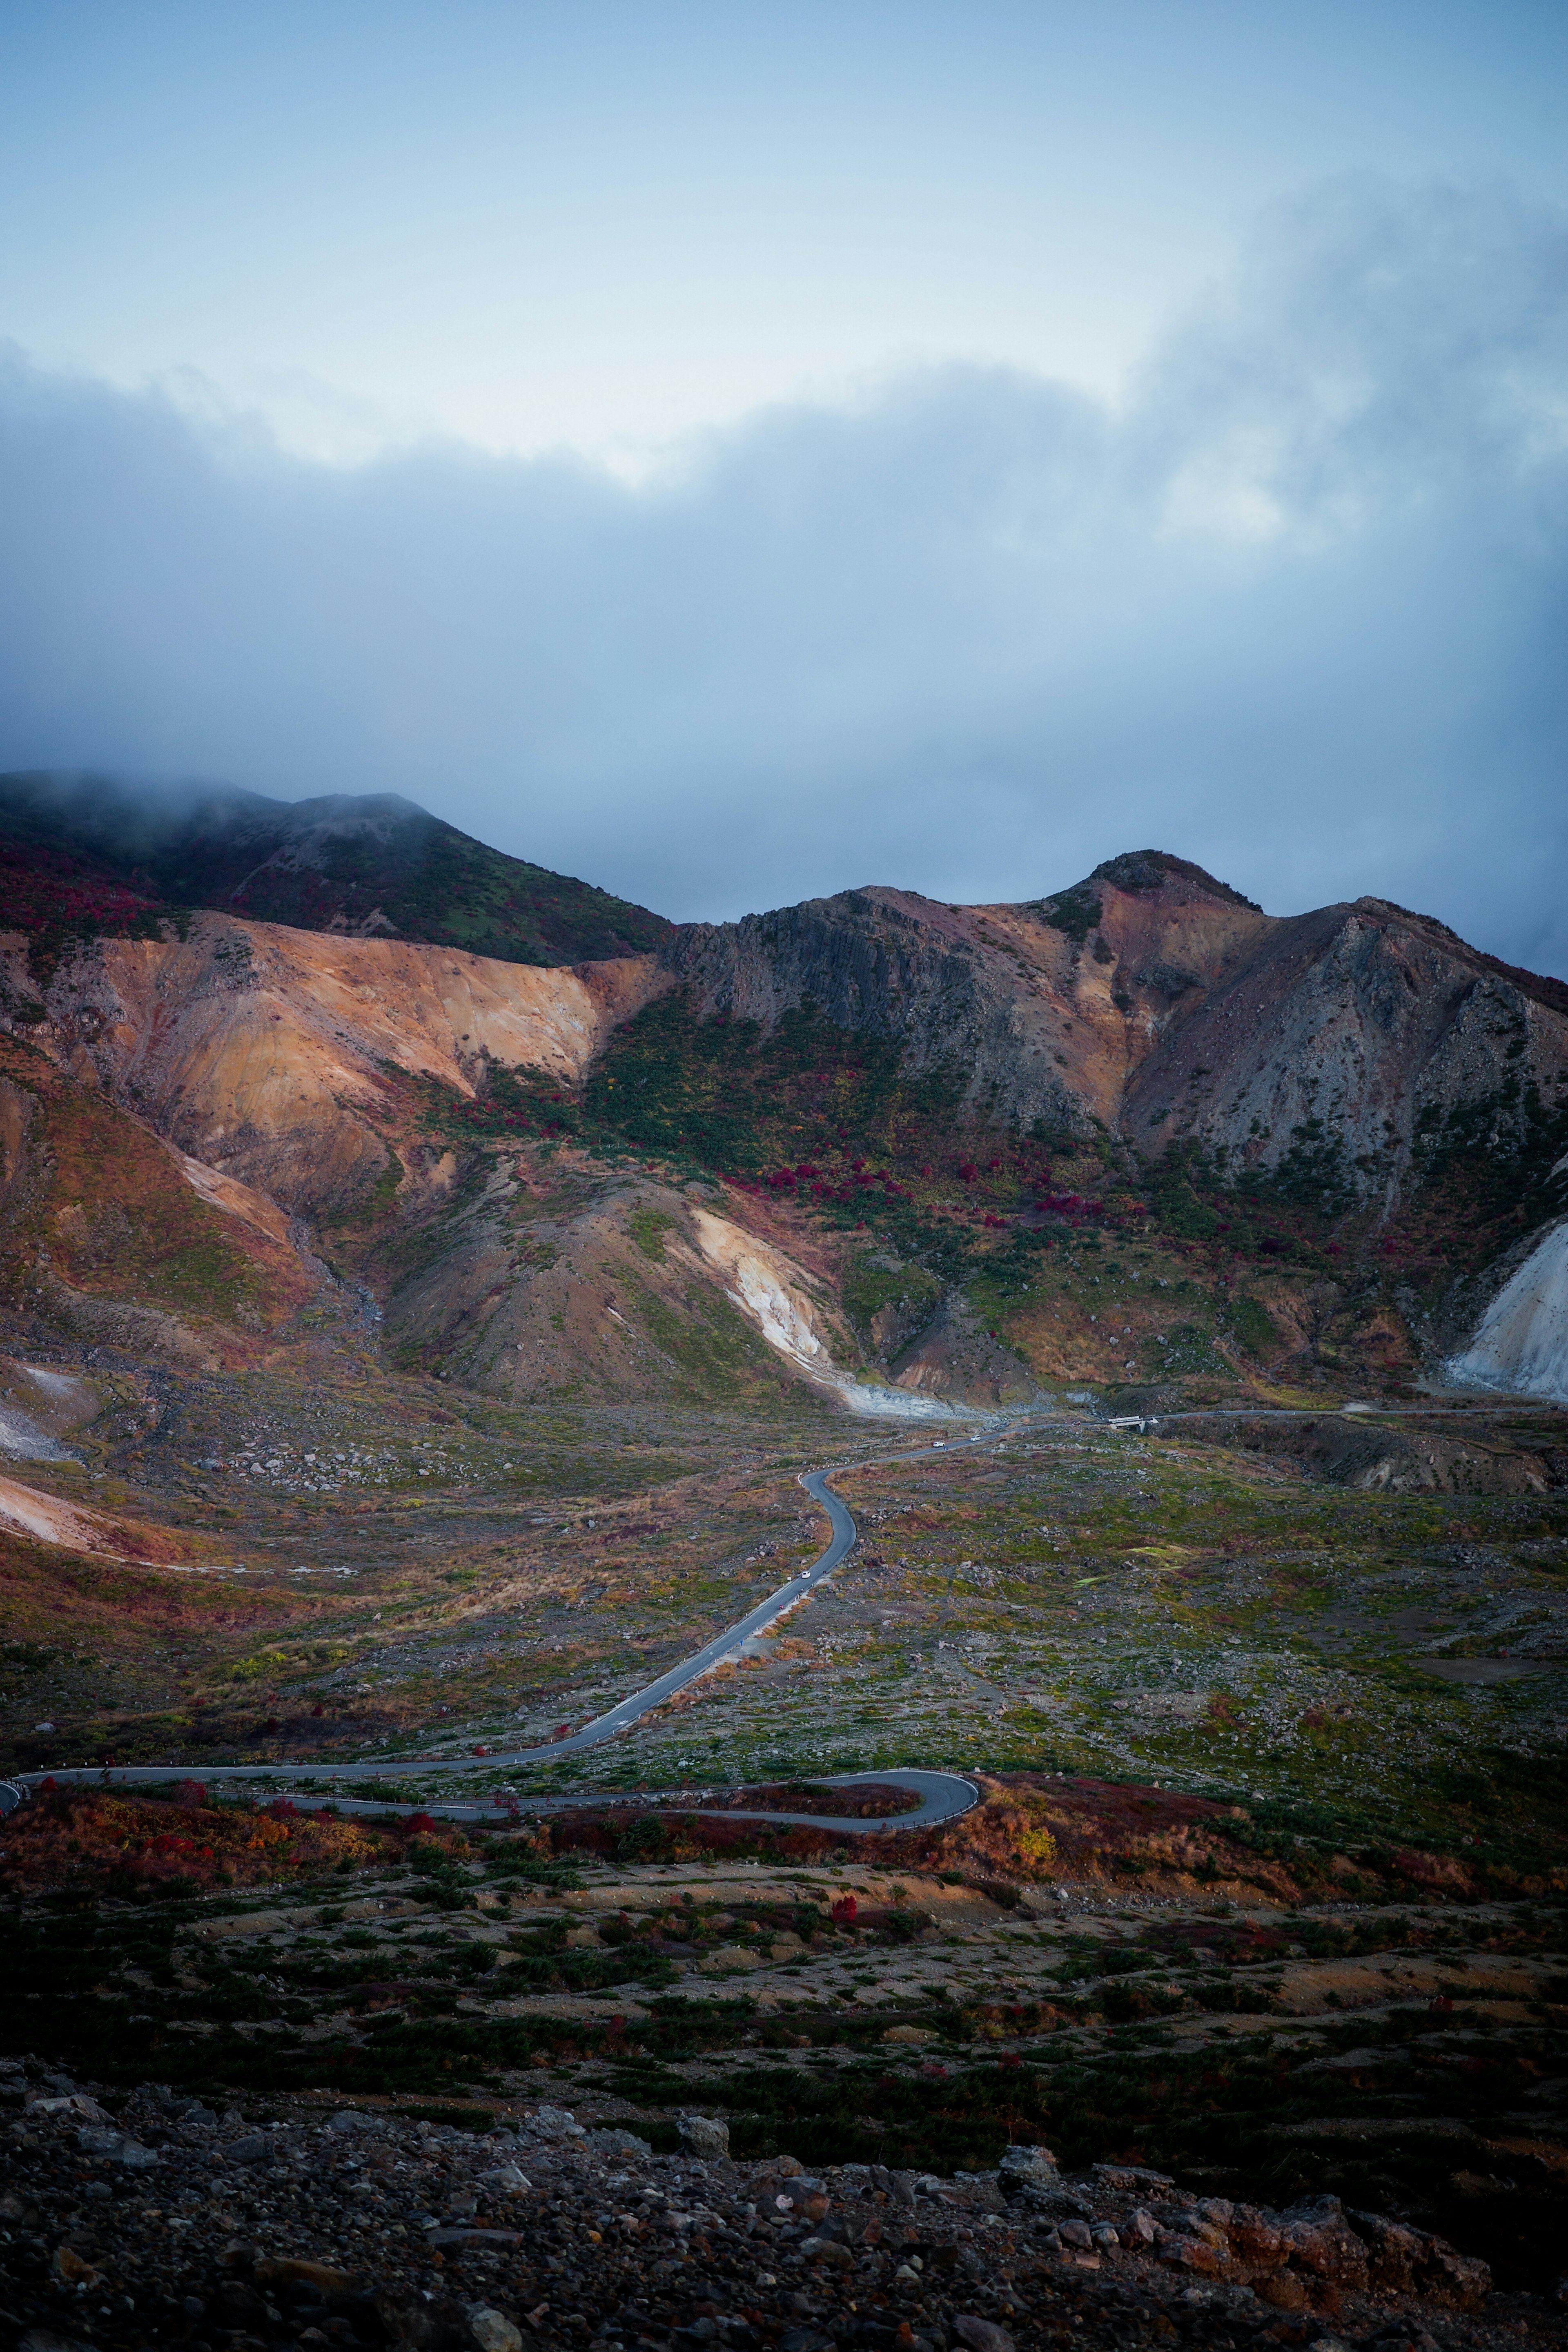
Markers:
(386, 2076)
(168, 2223)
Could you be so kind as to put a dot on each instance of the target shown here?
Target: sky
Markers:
(736, 452)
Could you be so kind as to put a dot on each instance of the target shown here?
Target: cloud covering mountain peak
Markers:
(1293, 603)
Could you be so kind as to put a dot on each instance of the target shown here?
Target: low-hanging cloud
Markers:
(1294, 608)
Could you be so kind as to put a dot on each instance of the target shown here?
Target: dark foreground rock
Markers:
(169, 2224)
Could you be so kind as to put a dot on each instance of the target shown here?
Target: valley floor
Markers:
(1264, 1891)
(361, 1567)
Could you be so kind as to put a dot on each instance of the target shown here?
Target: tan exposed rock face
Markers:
(262, 1052)
(231, 1198)
(778, 1299)
(771, 1292)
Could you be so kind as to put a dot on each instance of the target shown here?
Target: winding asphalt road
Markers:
(943, 1796)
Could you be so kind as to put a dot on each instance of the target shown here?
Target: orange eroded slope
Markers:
(25, 1511)
(264, 1052)
(94, 1209)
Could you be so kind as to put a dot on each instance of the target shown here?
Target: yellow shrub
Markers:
(1037, 1847)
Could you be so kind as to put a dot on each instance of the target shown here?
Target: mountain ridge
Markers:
(1352, 1093)
(1113, 1005)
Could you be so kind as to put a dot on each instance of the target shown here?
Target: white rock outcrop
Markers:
(769, 1291)
(1522, 1342)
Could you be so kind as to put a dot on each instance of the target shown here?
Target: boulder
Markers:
(1281, 2290)
(981, 2334)
(1255, 2237)
(73, 2270)
(1321, 2242)
(1200, 2254)
(1126, 2179)
(416, 2325)
(1461, 2281)
(277, 2271)
(1394, 2252)
(702, 2135)
(116, 2147)
(1028, 2167)
(555, 2122)
(492, 2331)
(506, 2180)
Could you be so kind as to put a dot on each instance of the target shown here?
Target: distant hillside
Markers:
(85, 852)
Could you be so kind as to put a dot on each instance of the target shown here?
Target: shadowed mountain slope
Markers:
(372, 864)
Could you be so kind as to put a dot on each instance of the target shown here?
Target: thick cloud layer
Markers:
(1295, 609)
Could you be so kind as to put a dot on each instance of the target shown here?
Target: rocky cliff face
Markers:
(1154, 1000)
(1150, 998)
(1376, 1023)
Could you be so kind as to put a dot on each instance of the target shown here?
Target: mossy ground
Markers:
(390, 1570)
(100, 1206)
(1291, 1920)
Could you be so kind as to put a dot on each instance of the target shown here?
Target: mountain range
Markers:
(911, 1156)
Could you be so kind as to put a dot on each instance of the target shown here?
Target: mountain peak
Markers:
(1141, 871)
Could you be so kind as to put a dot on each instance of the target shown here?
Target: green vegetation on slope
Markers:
(728, 1096)
(100, 1203)
(432, 883)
